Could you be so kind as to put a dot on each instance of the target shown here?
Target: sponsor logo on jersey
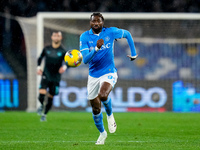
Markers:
(103, 47)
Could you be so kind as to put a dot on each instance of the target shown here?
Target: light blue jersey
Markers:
(102, 62)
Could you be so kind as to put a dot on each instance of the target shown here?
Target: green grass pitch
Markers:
(76, 130)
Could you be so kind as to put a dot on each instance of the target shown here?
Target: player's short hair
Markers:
(56, 31)
(97, 14)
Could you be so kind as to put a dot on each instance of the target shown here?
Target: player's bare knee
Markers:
(96, 110)
(103, 96)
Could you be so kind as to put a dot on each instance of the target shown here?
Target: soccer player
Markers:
(54, 56)
(96, 46)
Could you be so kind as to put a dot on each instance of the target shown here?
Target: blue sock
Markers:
(98, 120)
(108, 106)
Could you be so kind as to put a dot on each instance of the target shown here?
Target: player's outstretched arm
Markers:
(88, 55)
(129, 38)
(39, 70)
(84, 49)
(62, 69)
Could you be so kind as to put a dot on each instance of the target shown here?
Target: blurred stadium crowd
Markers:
(29, 8)
(12, 40)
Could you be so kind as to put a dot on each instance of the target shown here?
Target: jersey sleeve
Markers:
(64, 52)
(41, 57)
(83, 43)
(127, 35)
(84, 48)
(117, 33)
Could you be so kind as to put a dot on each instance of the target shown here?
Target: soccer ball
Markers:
(73, 58)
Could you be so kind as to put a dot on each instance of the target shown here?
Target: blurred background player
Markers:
(96, 46)
(51, 76)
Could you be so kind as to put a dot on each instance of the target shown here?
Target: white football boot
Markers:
(102, 138)
(112, 126)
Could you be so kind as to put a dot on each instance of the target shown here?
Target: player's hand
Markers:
(132, 57)
(62, 69)
(39, 71)
(100, 42)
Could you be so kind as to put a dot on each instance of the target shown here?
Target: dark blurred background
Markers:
(13, 63)
(29, 8)
(11, 36)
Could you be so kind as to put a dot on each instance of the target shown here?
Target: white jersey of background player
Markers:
(96, 46)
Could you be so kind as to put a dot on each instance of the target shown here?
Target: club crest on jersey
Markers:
(59, 53)
(107, 38)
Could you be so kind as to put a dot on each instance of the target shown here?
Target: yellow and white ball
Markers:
(73, 58)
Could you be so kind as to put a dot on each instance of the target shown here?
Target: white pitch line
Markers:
(5, 142)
